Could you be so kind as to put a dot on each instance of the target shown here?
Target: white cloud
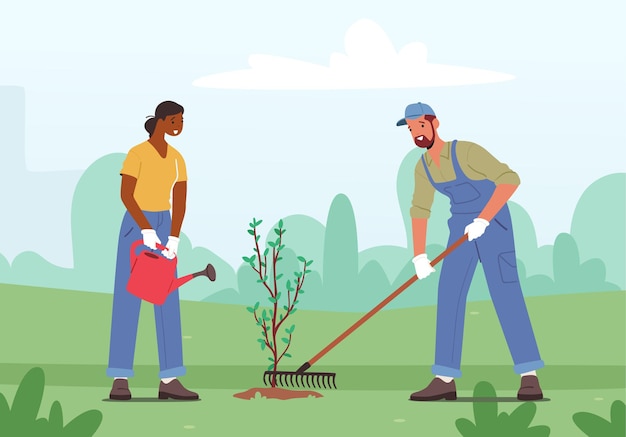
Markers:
(370, 61)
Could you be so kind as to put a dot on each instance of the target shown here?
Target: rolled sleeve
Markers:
(131, 165)
(423, 194)
(481, 164)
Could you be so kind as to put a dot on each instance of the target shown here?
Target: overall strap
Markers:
(455, 162)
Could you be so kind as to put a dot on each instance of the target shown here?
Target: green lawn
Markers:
(582, 338)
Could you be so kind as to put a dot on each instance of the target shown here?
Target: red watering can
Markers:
(153, 277)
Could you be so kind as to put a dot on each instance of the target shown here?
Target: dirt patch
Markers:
(276, 393)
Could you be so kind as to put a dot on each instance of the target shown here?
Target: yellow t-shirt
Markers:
(155, 175)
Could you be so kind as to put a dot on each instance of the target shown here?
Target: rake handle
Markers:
(378, 307)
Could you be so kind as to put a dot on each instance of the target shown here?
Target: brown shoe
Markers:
(120, 391)
(175, 390)
(436, 390)
(529, 389)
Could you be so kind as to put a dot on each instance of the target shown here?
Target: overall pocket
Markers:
(508, 267)
(462, 193)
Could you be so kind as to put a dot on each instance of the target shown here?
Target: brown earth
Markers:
(276, 393)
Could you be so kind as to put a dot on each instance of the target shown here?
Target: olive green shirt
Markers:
(476, 163)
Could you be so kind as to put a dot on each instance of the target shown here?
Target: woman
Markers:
(152, 172)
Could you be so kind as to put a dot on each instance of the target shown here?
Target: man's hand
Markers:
(476, 228)
(150, 238)
(422, 266)
(171, 246)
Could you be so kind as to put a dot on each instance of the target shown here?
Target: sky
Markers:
(289, 103)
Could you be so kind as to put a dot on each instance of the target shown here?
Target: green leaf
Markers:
(279, 276)
(539, 431)
(271, 244)
(278, 295)
(257, 238)
(293, 310)
(522, 416)
(618, 416)
(270, 367)
(252, 259)
(271, 359)
(246, 259)
(259, 222)
(279, 258)
(301, 259)
(307, 271)
(285, 340)
(250, 309)
(287, 355)
(256, 306)
(485, 413)
(28, 396)
(262, 343)
(56, 417)
(277, 231)
(266, 251)
(289, 286)
(301, 291)
(271, 299)
(281, 247)
(290, 329)
(250, 231)
(85, 424)
(280, 223)
(466, 428)
(285, 307)
(592, 424)
(308, 263)
(298, 274)
(5, 410)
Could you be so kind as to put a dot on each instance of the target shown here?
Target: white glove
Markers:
(422, 266)
(476, 228)
(150, 238)
(171, 246)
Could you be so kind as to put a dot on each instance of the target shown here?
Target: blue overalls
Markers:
(495, 249)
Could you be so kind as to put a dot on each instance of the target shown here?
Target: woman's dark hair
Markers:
(162, 110)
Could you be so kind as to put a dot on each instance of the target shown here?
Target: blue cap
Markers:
(415, 110)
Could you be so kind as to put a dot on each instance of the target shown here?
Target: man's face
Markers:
(422, 132)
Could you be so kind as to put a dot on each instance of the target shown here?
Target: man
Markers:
(478, 186)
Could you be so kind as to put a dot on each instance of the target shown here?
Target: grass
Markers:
(345, 412)
(582, 338)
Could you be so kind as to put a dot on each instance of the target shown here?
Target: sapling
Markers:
(276, 333)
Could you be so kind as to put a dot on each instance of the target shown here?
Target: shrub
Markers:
(596, 426)
(21, 418)
(491, 424)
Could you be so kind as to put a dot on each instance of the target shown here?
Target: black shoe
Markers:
(175, 390)
(120, 391)
(436, 390)
(529, 389)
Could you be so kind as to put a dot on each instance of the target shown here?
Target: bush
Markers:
(596, 426)
(21, 418)
(491, 424)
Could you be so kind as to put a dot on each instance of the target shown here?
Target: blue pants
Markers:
(495, 250)
(126, 308)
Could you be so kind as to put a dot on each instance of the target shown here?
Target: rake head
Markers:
(299, 379)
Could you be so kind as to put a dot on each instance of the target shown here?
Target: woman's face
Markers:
(173, 124)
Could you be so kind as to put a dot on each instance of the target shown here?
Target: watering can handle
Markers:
(133, 250)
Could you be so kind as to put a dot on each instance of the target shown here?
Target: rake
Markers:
(327, 379)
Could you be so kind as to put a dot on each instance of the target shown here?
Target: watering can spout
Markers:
(209, 272)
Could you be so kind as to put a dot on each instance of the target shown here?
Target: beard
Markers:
(423, 142)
